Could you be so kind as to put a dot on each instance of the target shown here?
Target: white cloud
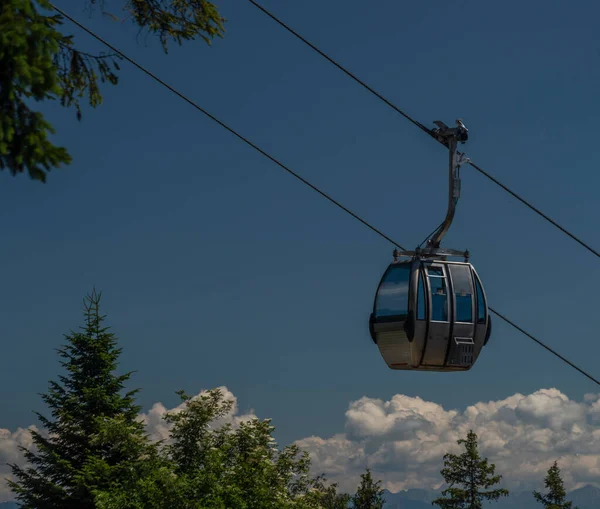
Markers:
(11, 454)
(404, 439)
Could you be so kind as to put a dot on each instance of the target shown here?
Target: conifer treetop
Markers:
(469, 477)
(93, 436)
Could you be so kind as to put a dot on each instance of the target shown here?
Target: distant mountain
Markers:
(409, 499)
(587, 497)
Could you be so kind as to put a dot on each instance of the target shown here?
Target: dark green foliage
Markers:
(205, 465)
(226, 467)
(468, 477)
(95, 438)
(327, 497)
(39, 63)
(369, 494)
(29, 47)
(555, 498)
(179, 20)
(153, 485)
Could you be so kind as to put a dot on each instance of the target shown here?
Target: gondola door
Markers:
(462, 344)
(439, 307)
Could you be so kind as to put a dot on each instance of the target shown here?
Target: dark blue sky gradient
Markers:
(218, 268)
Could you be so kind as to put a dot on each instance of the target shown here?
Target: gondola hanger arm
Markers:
(450, 137)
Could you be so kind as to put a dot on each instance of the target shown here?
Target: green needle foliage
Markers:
(369, 495)
(40, 63)
(555, 498)
(94, 438)
(469, 478)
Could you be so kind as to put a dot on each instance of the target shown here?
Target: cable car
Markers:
(430, 313)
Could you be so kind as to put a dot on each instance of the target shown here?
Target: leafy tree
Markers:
(333, 500)
(95, 438)
(29, 52)
(153, 486)
(555, 498)
(40, 63)
(207, 465)
(327, 497)
(228, 467)
(369, 494)
(468, 477)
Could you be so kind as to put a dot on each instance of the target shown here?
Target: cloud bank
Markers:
(404, 439)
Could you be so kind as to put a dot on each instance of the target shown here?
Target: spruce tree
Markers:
(555, 498)
(94, 438)
(469, 478)
(369, 494)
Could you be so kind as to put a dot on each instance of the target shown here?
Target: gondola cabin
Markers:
(430, 315)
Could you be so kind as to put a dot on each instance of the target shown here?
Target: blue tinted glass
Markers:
(439, 295)
(464, 310)
(392, 297)
(480, 302)
(463, 292)
(421, 300)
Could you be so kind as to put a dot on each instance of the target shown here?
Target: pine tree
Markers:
(468, 476)
(555, 498)
(369, 494)
(94, 438)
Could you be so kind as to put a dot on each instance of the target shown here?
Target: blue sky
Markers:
(218, 268)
